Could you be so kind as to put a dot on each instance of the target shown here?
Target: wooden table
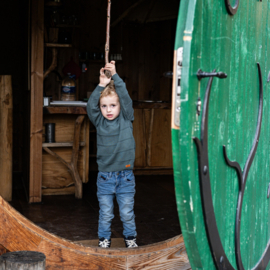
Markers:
(66, 167)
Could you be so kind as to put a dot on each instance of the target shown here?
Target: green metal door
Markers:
(221, 132)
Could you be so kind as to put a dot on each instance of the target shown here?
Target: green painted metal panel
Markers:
(213, 39)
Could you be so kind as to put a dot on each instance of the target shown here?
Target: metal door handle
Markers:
(201, 74)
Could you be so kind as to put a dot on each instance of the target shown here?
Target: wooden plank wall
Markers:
(56, 179)
(36, 101)
(53, 83)
(153, 143)
(147, 52)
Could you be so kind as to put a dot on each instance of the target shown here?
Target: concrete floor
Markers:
(77, 220)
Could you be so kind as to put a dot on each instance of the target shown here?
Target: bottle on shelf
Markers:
(68, 92)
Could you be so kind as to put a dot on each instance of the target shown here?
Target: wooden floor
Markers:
(77, 220)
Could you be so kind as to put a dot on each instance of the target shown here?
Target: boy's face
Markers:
(110, 106)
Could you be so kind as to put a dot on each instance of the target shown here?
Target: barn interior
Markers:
(49, 37)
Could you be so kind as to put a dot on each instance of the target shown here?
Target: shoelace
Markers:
(131, 243)
(105, 243)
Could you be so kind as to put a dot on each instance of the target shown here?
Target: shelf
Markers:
(61, 144)
(82, 110)
(64, 110)
(57, 45)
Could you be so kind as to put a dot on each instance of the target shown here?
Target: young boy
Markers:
(110, 110)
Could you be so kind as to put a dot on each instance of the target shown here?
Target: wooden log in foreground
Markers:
(6, 112)
(18, 233)
(23, 260)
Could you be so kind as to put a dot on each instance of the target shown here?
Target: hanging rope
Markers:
(107, 45)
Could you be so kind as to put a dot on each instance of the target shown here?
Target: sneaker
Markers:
(104, 243)
(130, 242)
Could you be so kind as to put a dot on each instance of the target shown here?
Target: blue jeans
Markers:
(122, 186)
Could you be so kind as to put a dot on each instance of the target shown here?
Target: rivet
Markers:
(221, 259)
(205, 169)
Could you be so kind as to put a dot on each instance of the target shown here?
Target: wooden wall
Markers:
(147, 50)
(14, 61)
(147, 54)
(56, 179)
(153, 143)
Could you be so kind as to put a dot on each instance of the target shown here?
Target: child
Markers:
(110, 110)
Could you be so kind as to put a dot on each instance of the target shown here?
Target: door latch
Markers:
(201, 74)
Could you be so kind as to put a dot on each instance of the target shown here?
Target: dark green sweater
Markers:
(115, 141)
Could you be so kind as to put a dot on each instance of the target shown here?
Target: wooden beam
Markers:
(151, 5)
(49, 151)
(53, 64)
(125, 13)
(6, 109)
(75, 154)
(61, 144)
(36, 111)
(57, 45)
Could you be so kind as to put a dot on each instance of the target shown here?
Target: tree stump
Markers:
(23, 260)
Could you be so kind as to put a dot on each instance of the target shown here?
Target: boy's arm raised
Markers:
(93, 110)
(125, 100)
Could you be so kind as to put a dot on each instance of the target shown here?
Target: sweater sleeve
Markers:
(125, 100)
(93, 109)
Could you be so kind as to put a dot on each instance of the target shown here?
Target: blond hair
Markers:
(109, 90)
